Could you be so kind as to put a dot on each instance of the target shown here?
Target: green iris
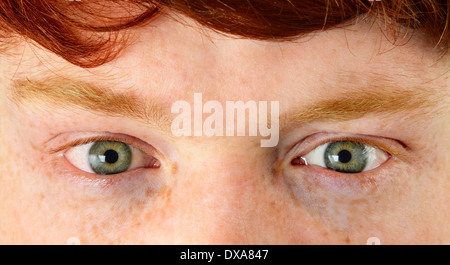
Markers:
(109, 157)
(346, 156)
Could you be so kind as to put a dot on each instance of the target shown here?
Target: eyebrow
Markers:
(378, 100)
(346, 106)
(66, 93)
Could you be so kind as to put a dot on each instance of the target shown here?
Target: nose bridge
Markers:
(221, 193)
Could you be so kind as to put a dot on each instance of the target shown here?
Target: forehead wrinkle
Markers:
(65, 93)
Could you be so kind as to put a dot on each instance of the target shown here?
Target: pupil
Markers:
(345, 156)
(111, 156)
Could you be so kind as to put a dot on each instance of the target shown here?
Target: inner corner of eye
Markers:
(298, 161)
(155, 163)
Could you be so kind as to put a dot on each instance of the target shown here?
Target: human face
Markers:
(349, 84)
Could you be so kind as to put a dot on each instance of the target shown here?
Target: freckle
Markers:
(347, 240)
(95, 230)
(174, 169)
(148, 192)
(42, 196)
(275, 170)
(137, 203)
(166, 195)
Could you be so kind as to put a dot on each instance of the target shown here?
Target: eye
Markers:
(108, 157)
(345, 156)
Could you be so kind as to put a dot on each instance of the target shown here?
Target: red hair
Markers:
(61, 26)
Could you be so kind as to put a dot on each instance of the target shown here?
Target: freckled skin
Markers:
(228, 190)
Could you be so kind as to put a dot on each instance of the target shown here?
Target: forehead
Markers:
(170, 59)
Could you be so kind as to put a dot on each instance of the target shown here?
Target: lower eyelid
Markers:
(67, 170)
(145, 180)
(320, 179)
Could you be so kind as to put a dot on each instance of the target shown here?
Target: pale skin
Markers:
(229, 190)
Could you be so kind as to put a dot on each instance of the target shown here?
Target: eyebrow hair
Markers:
(378, 100)
(344, 107)
(66, 93)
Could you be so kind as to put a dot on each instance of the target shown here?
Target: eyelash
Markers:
(143, 147)
(308, 181)
(390, 151)
(93, 139)
(301, 148)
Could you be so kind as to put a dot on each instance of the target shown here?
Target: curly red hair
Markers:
(89, 33)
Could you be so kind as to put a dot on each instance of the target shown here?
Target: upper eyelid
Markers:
(302, 148)
(101, 136)
(86, 147)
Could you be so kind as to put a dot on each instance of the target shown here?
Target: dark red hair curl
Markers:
(88, 33)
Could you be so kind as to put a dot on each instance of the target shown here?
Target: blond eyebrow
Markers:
(343, 107)
(379, 100)
(67, 93)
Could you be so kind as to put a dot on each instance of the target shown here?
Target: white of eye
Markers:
(78, 157)
(375, 156)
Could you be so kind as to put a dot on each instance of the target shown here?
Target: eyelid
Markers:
(81, 162)
(390, 146)
(140, 180)
(77, 139)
